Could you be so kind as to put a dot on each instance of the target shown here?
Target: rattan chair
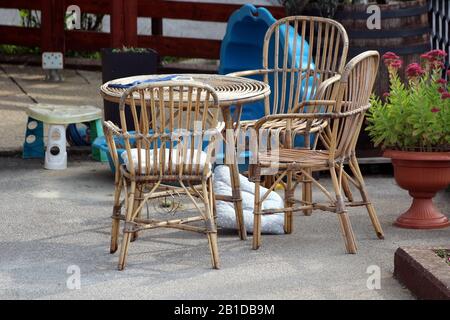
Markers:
(170, 153)
(320, 56)
(346, 115)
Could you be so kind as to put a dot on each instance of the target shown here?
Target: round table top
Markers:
(230, 90)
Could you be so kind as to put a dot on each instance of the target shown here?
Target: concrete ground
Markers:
(52, 220)
(55, 220)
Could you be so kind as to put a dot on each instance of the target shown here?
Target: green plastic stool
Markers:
(57, 116)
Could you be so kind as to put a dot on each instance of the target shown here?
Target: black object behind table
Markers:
(120, 64)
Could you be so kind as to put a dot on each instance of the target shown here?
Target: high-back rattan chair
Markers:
(169, 153)
(346, 115)
(302, 55)
(299, 54)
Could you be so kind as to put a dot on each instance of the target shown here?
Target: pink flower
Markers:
(437, 65)
(434, 55)
(437, 54)
(448, 72)
(391, 60)
(390, 56)
(386, 94)
(441, 90)
(425, 56)
(397, 64)
(445, 95)
(434, 109)
(414, 70)
(441, 81)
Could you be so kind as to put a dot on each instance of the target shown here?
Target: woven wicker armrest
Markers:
(325, 85)
(311, 116)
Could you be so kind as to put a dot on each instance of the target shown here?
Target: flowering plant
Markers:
(413, 116)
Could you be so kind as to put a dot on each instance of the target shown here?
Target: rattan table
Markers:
(232, 91)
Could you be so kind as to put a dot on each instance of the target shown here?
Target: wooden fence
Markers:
(52, 36)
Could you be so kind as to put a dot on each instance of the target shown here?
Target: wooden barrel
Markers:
(405, 30)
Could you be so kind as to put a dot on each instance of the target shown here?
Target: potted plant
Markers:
(412, 124)
(125, 62)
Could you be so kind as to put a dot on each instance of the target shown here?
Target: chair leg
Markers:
(257, 217)
(347, 231)
(344, 220)
(210, 223)
(127, 235)
(267, 181)
(346, 188)
(136, 204)
(288, 203)
(307, 192)
(212, 199)
(364, 195)
(115, 217)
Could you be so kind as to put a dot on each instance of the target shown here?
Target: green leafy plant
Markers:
(130, 49)
(413, 116)
(29, 18)
(444, 254)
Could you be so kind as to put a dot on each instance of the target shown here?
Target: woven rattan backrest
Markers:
(174, 121)
(354, 93)
(318, 54)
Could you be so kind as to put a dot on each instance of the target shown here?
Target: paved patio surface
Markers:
(54, 219)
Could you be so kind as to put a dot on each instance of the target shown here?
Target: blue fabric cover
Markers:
(134, 83)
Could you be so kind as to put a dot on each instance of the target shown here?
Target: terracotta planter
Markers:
(422, 174)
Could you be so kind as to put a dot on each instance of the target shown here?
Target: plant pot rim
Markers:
(417, 155)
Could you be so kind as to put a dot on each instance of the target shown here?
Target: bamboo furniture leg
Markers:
(257, 217)
(137, 202)
(126, 234)
(115, 216)
(344, 220)
(212, 198)
(307, 192)
(210, 224)
(346, 187)
(234, 172)
(354, 166)
(288, 203)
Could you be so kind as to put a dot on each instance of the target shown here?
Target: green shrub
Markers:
(415, 115)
